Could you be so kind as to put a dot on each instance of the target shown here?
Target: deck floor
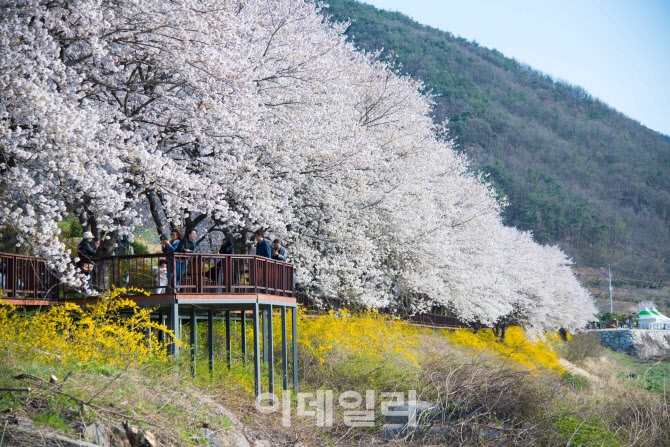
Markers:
(218, 300)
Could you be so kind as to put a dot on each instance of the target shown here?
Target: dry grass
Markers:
(487, 400)
(582, 346)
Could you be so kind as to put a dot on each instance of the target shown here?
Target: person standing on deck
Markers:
(262, 245)
(169, 247)
(85, 251)
(278, 252)
(86, 248)
(227, 247)
(187, 244)
(162, 276)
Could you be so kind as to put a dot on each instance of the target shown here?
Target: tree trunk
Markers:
(243, 245)
(155, 209)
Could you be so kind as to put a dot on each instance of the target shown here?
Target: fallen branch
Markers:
(54, 389)
(45, 435)
(18, 390)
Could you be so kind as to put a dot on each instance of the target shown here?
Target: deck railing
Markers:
(27, 277)
(187, 273)
(195, 273)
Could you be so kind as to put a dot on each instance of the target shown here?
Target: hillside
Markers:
(575, 171)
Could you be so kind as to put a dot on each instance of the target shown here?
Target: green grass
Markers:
(574, 380)
(586, 433)
(653, 376)
(54, 418)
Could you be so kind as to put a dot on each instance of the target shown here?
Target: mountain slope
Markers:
(575, 171)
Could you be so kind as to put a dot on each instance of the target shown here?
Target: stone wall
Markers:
(640, 343)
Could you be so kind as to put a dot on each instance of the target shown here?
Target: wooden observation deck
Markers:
(196, 287)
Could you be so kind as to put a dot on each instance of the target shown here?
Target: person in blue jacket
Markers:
(170, 247)
(262, 245)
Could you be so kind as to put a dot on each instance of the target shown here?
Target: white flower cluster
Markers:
(257, 114)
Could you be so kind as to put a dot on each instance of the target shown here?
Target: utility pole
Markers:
(609, 270)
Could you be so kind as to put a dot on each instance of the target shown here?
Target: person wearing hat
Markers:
(85, 251)
(278, 252)
(87, 248)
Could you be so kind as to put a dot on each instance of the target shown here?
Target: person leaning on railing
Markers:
(186, 245)
(85, 251)
(170, 247)
(278, 252)
(217, 274)
(87, 248)
(262, 245)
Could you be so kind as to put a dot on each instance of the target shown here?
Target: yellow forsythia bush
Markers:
(369, 334)
(516, 347)
(110, 332)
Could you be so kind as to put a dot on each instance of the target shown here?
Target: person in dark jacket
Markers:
(262, 245)
(278, 252)
(87, 248)
(227, 247)
(186, 245)
(218, 273)
(85, 251)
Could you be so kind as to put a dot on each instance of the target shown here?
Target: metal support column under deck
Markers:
(271, 357)
(257, 351)
(174, 325)
(160, 321)
(294, 324)
(265, 335)
(284, 350)
(228, 353)
(194, 340)
(210, 339)
(243, 323)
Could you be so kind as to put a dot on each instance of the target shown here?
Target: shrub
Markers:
(139, 248)
(96, 334)
(358, 351)
(582, 346)
(516, 347)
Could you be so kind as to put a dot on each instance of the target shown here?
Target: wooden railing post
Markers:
(253, 273)
(229, 274)
(196, 267)
(11, 277)
(33, 267)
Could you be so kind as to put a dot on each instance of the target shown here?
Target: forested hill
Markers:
(574, 170)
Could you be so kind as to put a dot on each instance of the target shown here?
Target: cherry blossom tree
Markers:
(233, 116)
